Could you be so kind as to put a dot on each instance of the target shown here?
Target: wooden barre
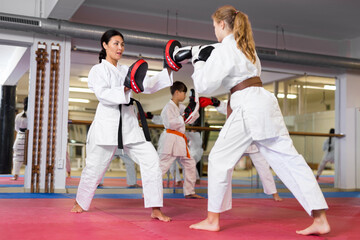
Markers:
(310, 134)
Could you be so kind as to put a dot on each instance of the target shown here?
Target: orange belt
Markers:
(181, 135)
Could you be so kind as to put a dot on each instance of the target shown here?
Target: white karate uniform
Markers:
(328, 155)
(172, 146)
(19, 144)
(107, 82)
(256, 118)
(260, 163)
(196, 152)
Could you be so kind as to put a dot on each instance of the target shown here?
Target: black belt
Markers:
(143, 122)
(23, 129)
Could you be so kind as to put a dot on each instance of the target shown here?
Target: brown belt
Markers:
(251, 82)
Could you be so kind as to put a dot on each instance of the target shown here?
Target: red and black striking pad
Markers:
(136, 75)
(168, 55)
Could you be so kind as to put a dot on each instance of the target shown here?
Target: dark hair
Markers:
(332, 131)
(106, 38)
(25, 107)
(180, 86)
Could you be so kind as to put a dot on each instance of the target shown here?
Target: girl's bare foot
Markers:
(157, 214)
(211, 223)
(319, 226)
(277, 198)
(206, 225)
(76, 208)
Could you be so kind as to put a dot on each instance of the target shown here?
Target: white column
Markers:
(347, 102)
(62, 112)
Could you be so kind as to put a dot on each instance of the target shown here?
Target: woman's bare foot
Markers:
(157, 214)
(211, 223)
(76, 208)
(277, 198)
(319, 226)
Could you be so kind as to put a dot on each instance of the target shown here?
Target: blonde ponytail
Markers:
(243, 36)
(239, 23)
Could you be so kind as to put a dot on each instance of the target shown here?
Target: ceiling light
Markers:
(210, 109)
(79, 100)
(326, 87)
(289, 96)
(83, 79)
(330, 87)
(78, 89)
(215, 126)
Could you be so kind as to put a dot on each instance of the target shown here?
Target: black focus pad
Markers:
(135, 76)
(169, 60)
(191, 106)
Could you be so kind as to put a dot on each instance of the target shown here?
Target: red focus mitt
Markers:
(135, 76)
(169, 60)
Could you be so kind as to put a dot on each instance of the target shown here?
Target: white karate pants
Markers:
(130, 170)
(98, 159)
(166, 160)
(279, 152)
(323, 164)
(263, 169)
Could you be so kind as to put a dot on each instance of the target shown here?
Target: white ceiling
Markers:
(330, 19)
(333, 21)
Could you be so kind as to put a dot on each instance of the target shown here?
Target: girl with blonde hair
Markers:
(255, 119)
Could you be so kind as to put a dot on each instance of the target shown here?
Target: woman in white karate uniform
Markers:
(329, 149)
(255, 118)
(106, 79)
(21, 123)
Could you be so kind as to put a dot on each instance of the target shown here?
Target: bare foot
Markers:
(14, 178)
(193, 196)
(157, 214)
(179, 184)
(198, 181)
(277, 198)
(319, 226)
(76, 208)
(207, 225)
(317, 177)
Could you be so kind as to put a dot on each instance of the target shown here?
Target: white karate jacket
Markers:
(228, 66)
(107, 82)
(172, 118)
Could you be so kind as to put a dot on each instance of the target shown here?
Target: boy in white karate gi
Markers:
(173, 142)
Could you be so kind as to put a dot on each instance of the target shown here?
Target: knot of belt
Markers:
(142, 118)
(23, 129)
(181, 135)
